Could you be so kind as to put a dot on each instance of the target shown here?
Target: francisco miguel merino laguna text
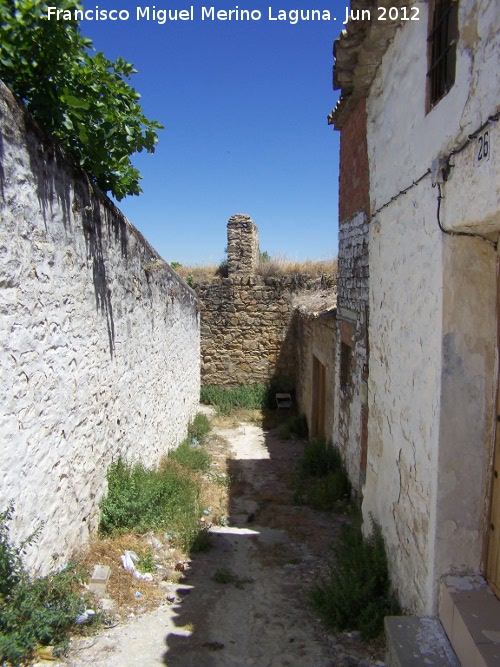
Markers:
(162, 16)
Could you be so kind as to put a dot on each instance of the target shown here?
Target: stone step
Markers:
(415, 641)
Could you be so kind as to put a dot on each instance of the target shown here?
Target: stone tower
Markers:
(242, 246)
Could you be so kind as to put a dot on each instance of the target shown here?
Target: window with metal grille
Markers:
(442, 48)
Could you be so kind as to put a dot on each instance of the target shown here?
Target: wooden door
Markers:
(493, 558)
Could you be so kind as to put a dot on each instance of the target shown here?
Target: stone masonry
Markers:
(99, 342)
(248, 326)
(242, 246)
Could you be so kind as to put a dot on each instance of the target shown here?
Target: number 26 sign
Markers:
(483, 147)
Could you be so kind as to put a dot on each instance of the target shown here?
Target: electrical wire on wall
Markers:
(449, 231)
(444, 167)
(448, 166)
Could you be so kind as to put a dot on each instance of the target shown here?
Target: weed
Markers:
(140, 499)
(322, 481)
(253, 396)
(319, 459)
(269, 266)
(192, 457)
(147, 563)
(295, 426)
(357, 592)
(168, 498)
(201, 541)
(199, 427)
(33, 612)
(225, 576)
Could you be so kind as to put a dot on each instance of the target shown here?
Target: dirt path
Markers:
(244, 602)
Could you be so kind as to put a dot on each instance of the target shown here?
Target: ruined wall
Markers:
(316, 337)
(433, 308)
(351, 411)
(99, 342)
(248, 329)
(242, 246)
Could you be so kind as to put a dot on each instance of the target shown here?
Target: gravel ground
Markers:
(245, 601)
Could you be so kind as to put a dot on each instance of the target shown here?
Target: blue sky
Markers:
(244, 105)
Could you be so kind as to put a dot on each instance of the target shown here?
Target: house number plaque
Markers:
(483, 147)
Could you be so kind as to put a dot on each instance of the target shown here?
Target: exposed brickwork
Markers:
(353, 290)
(354, 194)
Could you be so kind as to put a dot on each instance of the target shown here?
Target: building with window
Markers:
(418, 291)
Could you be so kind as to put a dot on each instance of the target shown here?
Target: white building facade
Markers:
(432, 95)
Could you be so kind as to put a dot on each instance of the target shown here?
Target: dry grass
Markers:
(123, 588)
(265, 418)
(274, 267)
(283, 266)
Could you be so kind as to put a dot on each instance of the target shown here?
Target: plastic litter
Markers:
(84, 617)
(138, 594)
(129, 559)
(194, 442)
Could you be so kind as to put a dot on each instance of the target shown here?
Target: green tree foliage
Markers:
(79, 96)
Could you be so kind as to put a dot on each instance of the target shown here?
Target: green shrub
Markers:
(199, 428)
(357, 592)
(319, 459)
(329, 493)
(190, 453)
(79, 96)
(295, 426)
(11, 567)
(322, 481)
(254, 396)
(141, 499)
(192, 457)
(33, 612)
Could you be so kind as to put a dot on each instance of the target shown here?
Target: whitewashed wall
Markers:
(99, 342)
(433, 309)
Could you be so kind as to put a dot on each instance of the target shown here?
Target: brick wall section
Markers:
(353, 292)
(99, 342)
(248, 329)
(242, 246)
(354, 184)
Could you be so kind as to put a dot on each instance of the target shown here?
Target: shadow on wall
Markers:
(285, 367)
(98, 214)
(51, 182)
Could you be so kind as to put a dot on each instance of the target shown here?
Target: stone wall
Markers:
(248, 329)
(99, 342)
(242, 246)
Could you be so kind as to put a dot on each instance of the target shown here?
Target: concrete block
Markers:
(413, 641)
(99, 580)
